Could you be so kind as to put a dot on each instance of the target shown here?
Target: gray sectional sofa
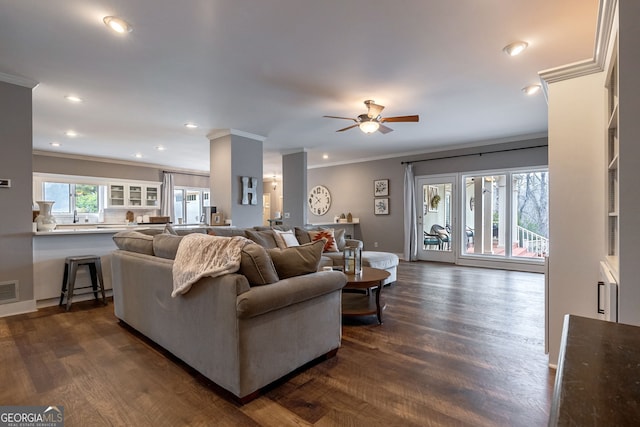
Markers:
(241, 330)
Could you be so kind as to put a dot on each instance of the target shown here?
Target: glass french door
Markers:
(436, 204)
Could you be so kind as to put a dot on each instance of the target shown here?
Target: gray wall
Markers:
(351, 186)
(16, 243)
(44, 163)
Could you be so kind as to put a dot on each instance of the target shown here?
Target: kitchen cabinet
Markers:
(133, 195)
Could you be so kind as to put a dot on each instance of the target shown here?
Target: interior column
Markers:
(294, 188)
(235, 155)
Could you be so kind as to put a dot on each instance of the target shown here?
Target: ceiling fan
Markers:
(372, 121)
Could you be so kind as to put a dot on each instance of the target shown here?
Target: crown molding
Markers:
(18, 80)
(219, 133)
(606, 17)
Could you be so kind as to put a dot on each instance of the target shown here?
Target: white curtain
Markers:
(166, 205)
(410, 220)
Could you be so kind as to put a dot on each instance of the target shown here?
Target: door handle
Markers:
(600, 286)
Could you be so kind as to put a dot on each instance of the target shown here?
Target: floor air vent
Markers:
(8, 292)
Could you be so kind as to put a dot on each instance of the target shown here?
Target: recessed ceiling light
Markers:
(55, 144)
(325, 156)
(138, 155)
(160, 148)
(118, 25)
(191, 125)
(515, 48)
(71, 133)
(73, 98)
(531, 89)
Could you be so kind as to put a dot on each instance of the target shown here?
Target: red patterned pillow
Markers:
(328, 234)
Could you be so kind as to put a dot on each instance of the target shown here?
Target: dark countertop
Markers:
(598, 377)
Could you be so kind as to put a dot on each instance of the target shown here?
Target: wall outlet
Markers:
(375, 244)
(5, 183)
(287, 215)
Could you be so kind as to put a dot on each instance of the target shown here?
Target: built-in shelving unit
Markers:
(613, 153)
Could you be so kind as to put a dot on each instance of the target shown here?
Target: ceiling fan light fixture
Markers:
(515, 48)
(118, 25)
(369, 126)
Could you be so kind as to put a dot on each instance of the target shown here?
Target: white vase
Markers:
(45, 221)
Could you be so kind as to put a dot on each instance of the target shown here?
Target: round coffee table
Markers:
(357, 304)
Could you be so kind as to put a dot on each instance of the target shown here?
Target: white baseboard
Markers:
(19, 307)
(50, 302)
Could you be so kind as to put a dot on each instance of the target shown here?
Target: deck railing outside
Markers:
(532, 242)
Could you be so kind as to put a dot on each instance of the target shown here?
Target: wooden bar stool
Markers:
(71, 265)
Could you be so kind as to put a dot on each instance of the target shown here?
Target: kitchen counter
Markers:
(67, 229)
(598, 377)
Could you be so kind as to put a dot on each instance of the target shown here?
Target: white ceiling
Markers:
(273, 68)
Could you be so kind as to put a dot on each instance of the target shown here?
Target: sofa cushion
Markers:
(382, 260)
(165, 245)
(256, 265)
(134, 241)
(149, 231)
(285, 239)
(226, 231)
(170, 230)
(185, 231)
(302, 235)
(341, 242)
(297, 260)
(263, 238)
(327, 234)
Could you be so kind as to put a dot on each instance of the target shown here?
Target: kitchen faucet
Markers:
(75, 216)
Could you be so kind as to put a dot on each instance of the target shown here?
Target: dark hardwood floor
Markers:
(459, 346)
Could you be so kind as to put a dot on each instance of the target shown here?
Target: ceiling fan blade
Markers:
(384, 129)
(347, 128)
(414, 118)
(338, 117)
(374, 109)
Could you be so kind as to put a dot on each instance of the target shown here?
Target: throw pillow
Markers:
(165, 245)
(256, 265)
(265, 239)
(328, 235)
(134, 241)
(341, 242)
(297, 260)
(169, 230)
(285, 239)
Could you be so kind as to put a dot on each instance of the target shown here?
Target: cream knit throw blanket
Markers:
(202, 255)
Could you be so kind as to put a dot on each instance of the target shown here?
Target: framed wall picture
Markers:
(380, 187)
(381, 206)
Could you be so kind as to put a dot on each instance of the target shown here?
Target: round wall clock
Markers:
(319, 200)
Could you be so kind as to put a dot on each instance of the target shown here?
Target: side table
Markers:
(362, 305)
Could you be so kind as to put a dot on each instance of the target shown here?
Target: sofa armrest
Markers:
(263, 299)
(354, 243)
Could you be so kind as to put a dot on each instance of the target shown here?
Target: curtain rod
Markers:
(187, 173)
(473, 154)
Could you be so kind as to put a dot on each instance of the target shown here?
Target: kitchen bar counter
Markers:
(598, 377)
(95, 229)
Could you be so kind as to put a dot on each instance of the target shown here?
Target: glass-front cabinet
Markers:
(116, 195)
(133, 196)
(151, 196)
